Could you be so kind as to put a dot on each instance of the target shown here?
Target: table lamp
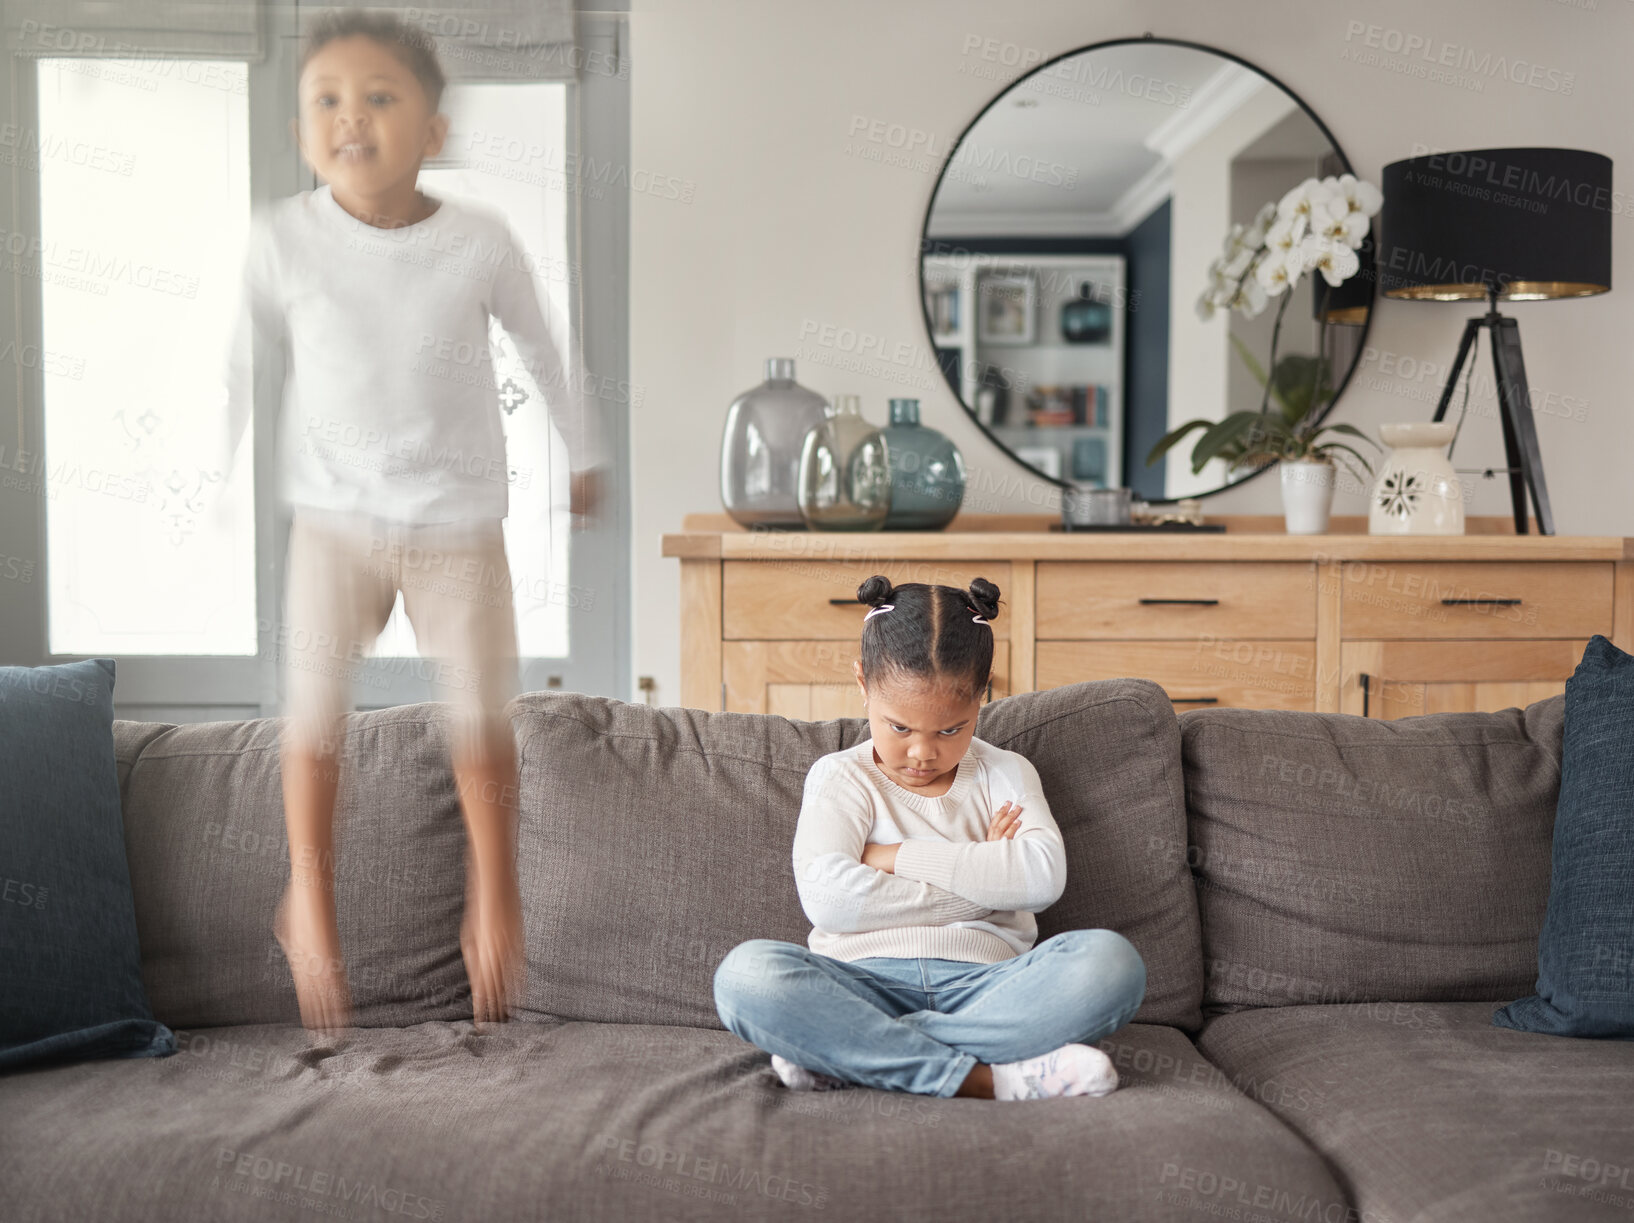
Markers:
(1504, 225)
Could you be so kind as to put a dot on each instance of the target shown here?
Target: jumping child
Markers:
(363, 285)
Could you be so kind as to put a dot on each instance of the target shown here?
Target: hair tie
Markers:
(883, 607)
(978, 618)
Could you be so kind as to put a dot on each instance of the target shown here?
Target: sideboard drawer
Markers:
(1196, 674)
(1170, 599)
(812, 599)
(809, 680)
(1474, 599)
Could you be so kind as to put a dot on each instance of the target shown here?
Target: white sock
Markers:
(798, 1078)
(1071, 1070)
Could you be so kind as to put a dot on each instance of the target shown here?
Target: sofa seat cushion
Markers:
(1426, 1111)
(574, 1120)
(1346, 859)
(654, 840)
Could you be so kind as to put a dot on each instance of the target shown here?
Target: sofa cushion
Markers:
(637, 1123)
(209, 859)
(1426, 1111)
(653, 841)
(70, 966)
(1347, 859)
(1586, 953)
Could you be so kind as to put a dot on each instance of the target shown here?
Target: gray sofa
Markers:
(1329, 908)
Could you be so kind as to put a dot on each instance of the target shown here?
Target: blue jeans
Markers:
(920, 1025)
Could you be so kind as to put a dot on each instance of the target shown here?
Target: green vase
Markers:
(927, 472)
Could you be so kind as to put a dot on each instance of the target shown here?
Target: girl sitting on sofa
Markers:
(921, 855)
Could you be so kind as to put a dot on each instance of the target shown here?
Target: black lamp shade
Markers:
(1520, 224)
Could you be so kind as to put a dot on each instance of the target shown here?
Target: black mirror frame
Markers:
(1143, 40)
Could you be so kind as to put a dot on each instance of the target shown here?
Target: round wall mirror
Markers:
(1068, 241)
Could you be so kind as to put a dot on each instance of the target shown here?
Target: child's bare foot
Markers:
(491, 941)
(306, 929)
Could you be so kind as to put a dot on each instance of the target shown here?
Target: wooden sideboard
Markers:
(1253, 617)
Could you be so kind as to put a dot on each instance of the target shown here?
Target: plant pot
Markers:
(1417, 491)
(1307, 495)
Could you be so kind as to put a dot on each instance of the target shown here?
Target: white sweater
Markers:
(954, 895)
(390, 407)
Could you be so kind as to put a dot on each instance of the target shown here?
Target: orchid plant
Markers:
(1315, 228)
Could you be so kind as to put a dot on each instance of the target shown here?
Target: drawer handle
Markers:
(844, 602)
(1194, 700)
(1481, 602)
(1198, 602)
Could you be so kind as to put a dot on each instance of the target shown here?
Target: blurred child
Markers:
(921, 855)
(375, 297)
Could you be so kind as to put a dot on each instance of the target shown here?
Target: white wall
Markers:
(797, 240)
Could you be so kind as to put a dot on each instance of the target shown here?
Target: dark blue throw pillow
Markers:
(69, 958)
(1586, 953)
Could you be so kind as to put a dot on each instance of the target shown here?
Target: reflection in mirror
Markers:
(1070, 236)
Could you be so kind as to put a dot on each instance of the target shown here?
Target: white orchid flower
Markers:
(1297, 201)
(1351, 229)
(1205, 305)
(1233, 241)
(1279, 271)
(1335, 260)
(1361, 195)
(1251, 298)
(1286, 233)
(1238, 263)
(1263, 220)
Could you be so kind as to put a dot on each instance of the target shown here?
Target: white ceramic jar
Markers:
(1307, 495)
(1417, 492)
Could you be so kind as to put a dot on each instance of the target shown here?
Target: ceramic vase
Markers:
(1307, 495)
(845, 474)
(760, 448)
(927, 472)
(1417, 492)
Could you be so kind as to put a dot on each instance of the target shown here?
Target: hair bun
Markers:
(984, 597)
(876, 590)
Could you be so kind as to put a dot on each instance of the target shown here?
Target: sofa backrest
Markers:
(204, 834)
(1347, 859)
(653, 841)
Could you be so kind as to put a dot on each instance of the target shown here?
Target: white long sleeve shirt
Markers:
(378, 341)
(954, 895)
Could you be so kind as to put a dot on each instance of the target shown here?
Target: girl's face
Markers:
(921, 728)
(365, 122)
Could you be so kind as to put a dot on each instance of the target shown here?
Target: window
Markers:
(144, 199)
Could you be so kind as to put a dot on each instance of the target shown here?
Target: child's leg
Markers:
(456, 586)
(334, 609)
(1073, 988)
(837, 1018)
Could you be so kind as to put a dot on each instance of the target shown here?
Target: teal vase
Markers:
(927, 472)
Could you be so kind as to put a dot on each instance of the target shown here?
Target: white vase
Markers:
(1417, 491)
(1307, 495)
